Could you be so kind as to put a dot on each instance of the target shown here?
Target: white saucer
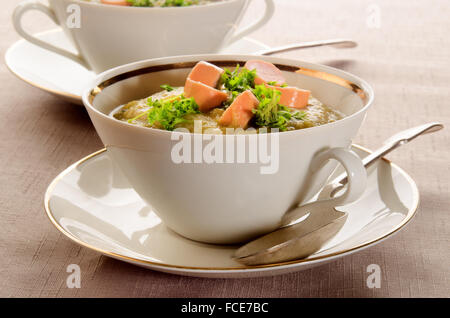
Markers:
(65, 78)
(92, 204)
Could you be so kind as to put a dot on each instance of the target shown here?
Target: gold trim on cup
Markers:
(227, 63)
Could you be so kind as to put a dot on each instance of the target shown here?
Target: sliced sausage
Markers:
(205, 96)
(239, 113)
(293, 97)
(265, 72)
(116, 2)
(206, 73)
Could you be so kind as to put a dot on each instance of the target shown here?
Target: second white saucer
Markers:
(65, 78)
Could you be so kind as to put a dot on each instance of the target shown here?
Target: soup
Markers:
(153, 3)
(216, 100)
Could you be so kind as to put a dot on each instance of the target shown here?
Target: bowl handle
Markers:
(270, 9)
(25, 6)
(357, 181)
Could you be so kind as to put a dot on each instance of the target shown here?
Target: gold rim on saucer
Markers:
(46, 89)
(411, 212)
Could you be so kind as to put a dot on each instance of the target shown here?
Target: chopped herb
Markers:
(269, 112)
(162, 3)
(179, 3)
(238, 80)
(274, 83)
(141, 3)
(170, 112)
(299, 115)
(167, 87)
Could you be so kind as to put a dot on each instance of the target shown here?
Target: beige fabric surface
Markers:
(406, 59)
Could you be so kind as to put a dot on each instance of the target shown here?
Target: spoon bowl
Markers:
(295, 241)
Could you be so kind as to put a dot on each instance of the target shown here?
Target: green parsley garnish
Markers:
(273, 83)
(167, 87)
(299, 115)
(269, 112)
(162, 3)
(179, 3)
(167, 113)
(141, 3)
(238, 80)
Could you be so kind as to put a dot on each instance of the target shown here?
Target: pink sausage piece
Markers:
(265, 72)
(206, 73)
(240, 111)
(116, 2)
(205, 96)
(293, 97)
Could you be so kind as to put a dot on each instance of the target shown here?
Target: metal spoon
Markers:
(337, 43)
(303, 238)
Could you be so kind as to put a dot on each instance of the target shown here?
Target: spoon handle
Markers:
(392, 143)
(338, 43)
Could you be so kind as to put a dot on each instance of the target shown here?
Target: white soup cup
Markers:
(229, 202)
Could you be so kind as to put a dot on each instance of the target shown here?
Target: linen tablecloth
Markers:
(404, 52)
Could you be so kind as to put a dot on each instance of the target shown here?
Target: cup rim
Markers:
(126, 71)
(117, 7)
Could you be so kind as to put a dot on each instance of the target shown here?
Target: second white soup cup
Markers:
(106, 36)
